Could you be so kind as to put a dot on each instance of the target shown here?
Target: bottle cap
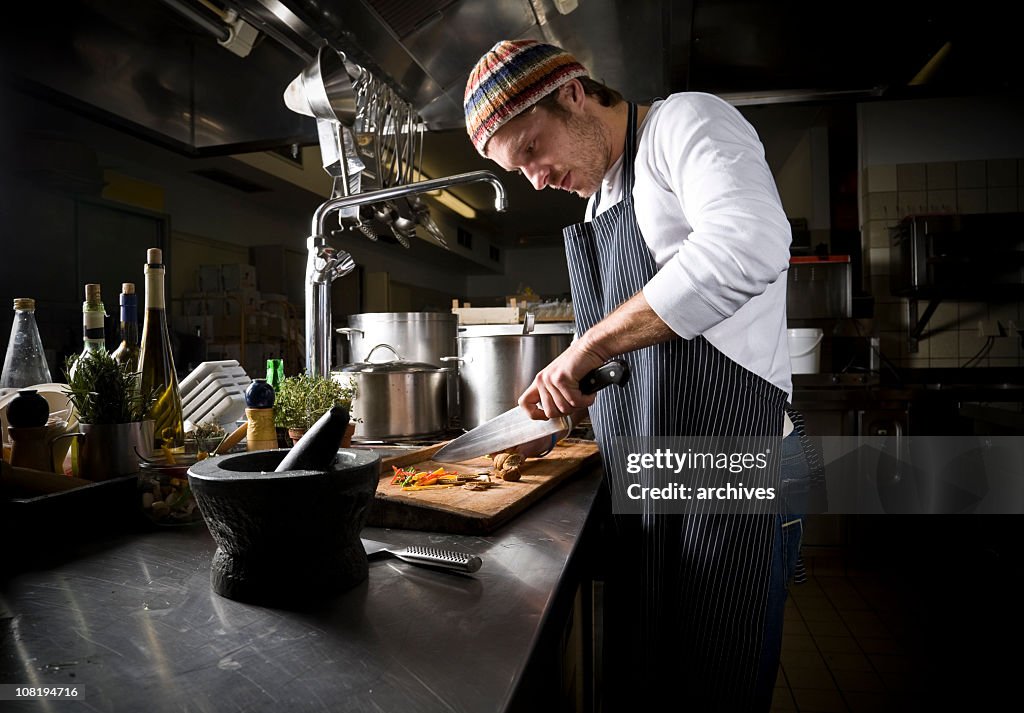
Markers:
(92, 293)
(128, 288)
(24, 303)
(155, 257)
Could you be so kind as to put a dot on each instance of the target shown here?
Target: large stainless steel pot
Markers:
(417, 336)
(397, 399)
(495, 369)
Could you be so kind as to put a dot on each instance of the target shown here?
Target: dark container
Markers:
(285, 538)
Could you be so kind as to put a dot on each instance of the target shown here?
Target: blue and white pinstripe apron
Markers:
(686, 595)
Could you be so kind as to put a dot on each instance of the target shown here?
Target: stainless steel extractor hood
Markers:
(156, 66)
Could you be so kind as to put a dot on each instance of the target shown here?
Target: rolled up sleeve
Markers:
(714, 165)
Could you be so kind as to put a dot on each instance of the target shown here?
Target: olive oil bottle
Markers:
(156, 361)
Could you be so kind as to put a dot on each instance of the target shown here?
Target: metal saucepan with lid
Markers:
(398, 398)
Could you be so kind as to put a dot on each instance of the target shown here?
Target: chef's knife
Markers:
(424, 556)
(515, 427)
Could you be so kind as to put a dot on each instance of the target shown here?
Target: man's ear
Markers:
(571, 95)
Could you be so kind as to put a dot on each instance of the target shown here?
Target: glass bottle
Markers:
(25, 362)
(128, 351)
(275, 373)
(93, 314)
(156, 361)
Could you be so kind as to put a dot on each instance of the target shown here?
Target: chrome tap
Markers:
(324, 264)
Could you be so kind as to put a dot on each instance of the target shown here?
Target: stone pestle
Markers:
(318, 447)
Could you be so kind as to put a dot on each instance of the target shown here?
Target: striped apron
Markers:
(686, 596)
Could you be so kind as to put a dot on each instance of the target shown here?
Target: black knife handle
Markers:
(613, 372)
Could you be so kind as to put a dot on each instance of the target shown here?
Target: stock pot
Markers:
(396, 399)
(497, 364)
(417, 336)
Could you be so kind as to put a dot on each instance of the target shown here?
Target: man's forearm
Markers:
(632, 325)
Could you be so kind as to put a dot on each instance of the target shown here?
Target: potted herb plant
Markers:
(301, 400)
(112, 415)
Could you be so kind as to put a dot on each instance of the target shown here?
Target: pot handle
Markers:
(461, 360)
(393, 351)
(349, 331)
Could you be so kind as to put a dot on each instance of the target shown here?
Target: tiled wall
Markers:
(894, 191)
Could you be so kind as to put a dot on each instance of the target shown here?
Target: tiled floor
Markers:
(903, 638)
(841, 648)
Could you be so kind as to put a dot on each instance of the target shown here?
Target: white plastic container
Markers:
(805, 350)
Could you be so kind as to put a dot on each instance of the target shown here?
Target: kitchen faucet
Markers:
(325, 264)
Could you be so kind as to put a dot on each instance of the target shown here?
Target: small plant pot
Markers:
(346, 441)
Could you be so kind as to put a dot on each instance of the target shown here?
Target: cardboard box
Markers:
(208, 278)
(238, 276)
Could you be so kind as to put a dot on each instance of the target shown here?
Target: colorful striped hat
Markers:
(510, 78)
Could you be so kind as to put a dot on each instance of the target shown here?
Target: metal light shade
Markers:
(325, 89)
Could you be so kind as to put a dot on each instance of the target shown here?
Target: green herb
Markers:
(103, 391)
(301, 400)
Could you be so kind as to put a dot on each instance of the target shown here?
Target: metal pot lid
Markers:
(398, 366)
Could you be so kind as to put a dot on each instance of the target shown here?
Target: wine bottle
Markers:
(25, 363)
(93, 314)
(156, 362)
(128, 351)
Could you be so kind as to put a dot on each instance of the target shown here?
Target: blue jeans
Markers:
(794, 486)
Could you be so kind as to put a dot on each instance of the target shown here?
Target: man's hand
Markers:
(555, 391)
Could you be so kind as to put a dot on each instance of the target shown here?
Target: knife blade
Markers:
(515, 427)
(424, 556)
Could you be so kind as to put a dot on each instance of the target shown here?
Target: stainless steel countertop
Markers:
(134, 622)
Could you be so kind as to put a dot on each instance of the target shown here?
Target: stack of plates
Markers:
(214, 392)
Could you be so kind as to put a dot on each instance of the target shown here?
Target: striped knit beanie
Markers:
(510, 78)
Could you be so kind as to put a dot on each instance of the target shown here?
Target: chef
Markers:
(678, 268)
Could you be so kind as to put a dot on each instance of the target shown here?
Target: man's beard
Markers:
(591, 145)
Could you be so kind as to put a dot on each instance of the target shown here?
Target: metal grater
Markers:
(426, 556)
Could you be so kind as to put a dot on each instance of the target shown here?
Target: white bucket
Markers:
(805, 350)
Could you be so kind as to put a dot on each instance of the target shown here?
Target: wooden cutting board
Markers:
(472, 512)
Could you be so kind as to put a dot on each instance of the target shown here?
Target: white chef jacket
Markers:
(709, 211)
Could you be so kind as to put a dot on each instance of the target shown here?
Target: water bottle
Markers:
(25, 363)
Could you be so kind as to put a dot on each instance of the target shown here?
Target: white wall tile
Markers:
(942, 201)
(943, 363)
(970, 174)
(883, 206)
(971, 312)
(881, 178)
(972, 200)
(1002, 200)
(1005, 347)
(1004, 312)
(911, 177)
(912, 203)
(1001, 172)
(946, 316)
(969, 344)
(944, 344)
(878, 234)
(879, 260)
(1003, 362)
(941, 176)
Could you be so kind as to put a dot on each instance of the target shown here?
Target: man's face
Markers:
(568, 151)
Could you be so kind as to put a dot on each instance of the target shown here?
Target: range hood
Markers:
(156, 67)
